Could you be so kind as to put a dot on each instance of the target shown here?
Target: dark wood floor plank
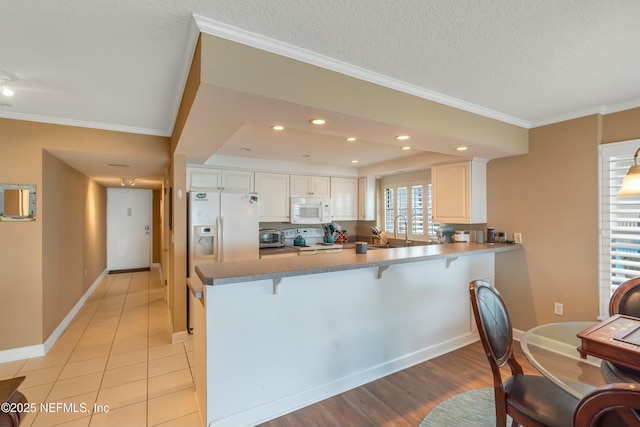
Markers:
(403, 398)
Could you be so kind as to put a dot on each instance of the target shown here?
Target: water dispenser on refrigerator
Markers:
(204, 242)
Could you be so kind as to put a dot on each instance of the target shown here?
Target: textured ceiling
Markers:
(122, 64)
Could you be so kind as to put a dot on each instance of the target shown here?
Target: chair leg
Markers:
(514, 423)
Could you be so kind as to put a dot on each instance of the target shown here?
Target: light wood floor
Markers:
(404, 398)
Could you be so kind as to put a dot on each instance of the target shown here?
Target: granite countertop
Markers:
(226, 273)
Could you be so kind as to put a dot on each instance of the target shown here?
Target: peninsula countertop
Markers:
(213, 274)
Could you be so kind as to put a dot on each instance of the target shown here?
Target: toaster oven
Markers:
(271, 238)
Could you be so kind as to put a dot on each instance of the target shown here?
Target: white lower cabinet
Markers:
(273, 196)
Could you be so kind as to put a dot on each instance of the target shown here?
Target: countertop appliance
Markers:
(309, 210)
(271, 238)
(461, 236)
(314, 241)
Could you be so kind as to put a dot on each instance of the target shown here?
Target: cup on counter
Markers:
(361, 247)
(491, 235)
(479, 236)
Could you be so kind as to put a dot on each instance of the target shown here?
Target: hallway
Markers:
(115, 356)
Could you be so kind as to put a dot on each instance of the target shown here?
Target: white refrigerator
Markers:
(222, 227)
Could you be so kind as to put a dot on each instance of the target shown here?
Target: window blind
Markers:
(619, 222)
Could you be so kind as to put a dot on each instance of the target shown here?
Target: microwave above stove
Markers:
(310, 210)
(271, 238)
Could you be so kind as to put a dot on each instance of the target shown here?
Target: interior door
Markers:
(129, 216)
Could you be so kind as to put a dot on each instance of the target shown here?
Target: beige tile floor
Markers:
(115, 364)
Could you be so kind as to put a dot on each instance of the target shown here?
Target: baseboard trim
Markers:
(277, 408)
(39, 350)
(179, 337)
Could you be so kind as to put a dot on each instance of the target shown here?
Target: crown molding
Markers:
(603, 110)
(229, 32)
(82, 124)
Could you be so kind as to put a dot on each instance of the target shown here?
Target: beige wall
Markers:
(38, 283)
(551, 196)
(73, 218)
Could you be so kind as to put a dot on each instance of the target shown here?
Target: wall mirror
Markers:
(17, 202)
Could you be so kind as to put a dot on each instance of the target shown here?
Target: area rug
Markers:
(474, 408)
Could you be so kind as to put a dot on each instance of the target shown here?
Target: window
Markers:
(408, 200)
(619, 222)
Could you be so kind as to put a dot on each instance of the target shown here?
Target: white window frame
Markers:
(428, 229)
(617, 237)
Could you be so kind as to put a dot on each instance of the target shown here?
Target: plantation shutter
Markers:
(620, 222)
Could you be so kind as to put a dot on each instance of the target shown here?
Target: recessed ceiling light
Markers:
(402, 137)
(277, 127)
(245, 149)
(350, 139)
(317, 121)
(305, 155)
(461, 148)
(406, 147)
(118, 165)
(354, 161)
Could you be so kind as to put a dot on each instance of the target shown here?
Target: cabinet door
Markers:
(203, 179)
(367, 198)
(451, 192)
(321, 186)
(459, 193)
(300, 186)
(310, 186)
(273, 196)
(344, 198)
(237, 181)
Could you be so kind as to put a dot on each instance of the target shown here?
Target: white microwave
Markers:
(310, 210)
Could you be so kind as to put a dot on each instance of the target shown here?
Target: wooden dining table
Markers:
(553, 350)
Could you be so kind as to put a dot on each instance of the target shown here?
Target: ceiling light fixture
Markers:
(402, 137)
(277, 127)
(5, 89)
(350, 139)
(318, 121)
(463, 148)
(631, 181)
(406, 147)
(354, 161)
(128, 182)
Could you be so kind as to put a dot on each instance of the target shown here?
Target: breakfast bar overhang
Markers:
(272, 336)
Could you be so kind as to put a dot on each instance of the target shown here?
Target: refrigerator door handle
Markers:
(220, 221)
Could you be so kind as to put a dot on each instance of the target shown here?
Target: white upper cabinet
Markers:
(367, 198)
(273, 196)
(232, 181)
(344, 198)
(460, 192)
(310, 186)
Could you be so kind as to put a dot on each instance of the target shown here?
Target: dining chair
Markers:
(530, 400)
(626, 299)
(612, 405)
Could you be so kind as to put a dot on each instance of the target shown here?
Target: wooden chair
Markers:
(531, 400)
(10, 417)
(612, 405)
(626, 299)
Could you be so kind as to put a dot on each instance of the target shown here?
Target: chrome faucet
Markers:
(406, 229)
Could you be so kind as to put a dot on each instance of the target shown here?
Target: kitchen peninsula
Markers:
(272, 336)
